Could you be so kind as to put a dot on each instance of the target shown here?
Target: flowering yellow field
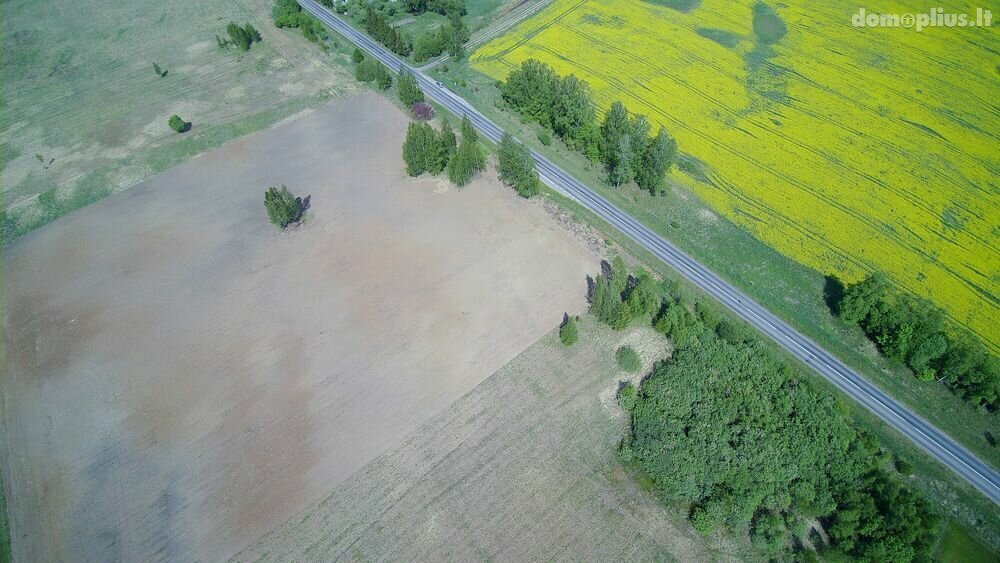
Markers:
(845, 148)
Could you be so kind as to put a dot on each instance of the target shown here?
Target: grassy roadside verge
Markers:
(793, 291)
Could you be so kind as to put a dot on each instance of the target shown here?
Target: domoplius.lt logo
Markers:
(935, 17)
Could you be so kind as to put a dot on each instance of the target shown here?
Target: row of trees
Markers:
(242, 37)
(451, 38)
(288, 13)
(443, 7)
(622, 141)
(912, 331)
(731, 429)
(371, 70)
(426, 150)
(377, 25)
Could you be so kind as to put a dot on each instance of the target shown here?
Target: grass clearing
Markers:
(847, 149)
(958, 546)
(87, 101)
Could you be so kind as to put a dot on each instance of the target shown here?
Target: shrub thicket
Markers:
(764, 453)
(177, 124)
(912, 331)
(628, 359)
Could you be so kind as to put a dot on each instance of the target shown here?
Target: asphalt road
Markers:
(927, 437)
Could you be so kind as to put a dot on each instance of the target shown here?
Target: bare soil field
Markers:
(84, 114)
(522, 468)
(181, 378)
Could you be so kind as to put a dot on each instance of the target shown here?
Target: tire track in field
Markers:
(921, 203)
(902, 193)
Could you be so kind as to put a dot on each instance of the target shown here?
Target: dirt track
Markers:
(181, 378)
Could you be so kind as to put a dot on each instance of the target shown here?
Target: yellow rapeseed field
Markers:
(845, 148)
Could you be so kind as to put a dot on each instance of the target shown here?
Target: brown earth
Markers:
(523, 468)
(181, 378)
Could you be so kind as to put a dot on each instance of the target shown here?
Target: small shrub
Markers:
(357, 56)
(628, 359)
(627, 396)
(422, 111)
(159, 71)
(675, 224)
(283, 208)
(904, 467)
(545, 137)
(177, 124)
(567, 332)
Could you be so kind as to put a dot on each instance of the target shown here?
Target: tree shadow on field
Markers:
(833, 293)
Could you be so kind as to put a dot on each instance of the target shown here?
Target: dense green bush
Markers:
(738, 435)
(628, 359)
(627, 396)
(177, 124)
(913, 332)
(283, 208)
(288, 13)
(242, 37)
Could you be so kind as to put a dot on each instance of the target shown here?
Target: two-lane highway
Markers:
(930, 439)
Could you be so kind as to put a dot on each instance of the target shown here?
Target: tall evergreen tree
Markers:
(468, 160)
(409, 91)
(422, 150)
(448, 141)
(282, 207)
(516, 167)
(469, 134)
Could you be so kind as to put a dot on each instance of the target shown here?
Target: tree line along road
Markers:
(942, 448)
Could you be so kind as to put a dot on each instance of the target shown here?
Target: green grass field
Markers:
(84, 114)
(958, 546)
